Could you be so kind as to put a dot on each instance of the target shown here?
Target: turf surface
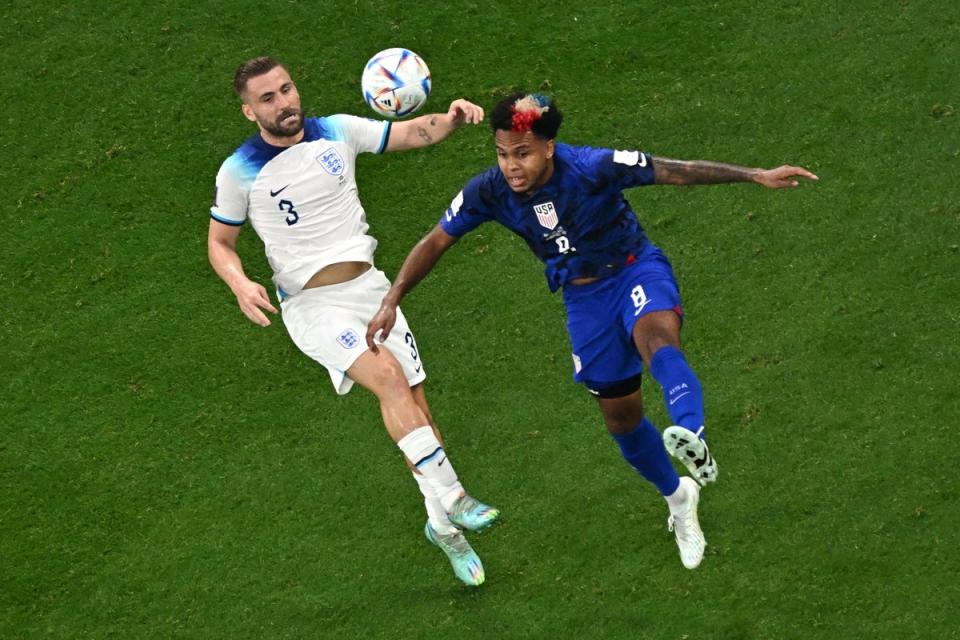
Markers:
(169, 470)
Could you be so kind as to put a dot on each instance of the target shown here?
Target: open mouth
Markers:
(289, 118)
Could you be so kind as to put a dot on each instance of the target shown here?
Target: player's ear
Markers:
(550, 146)
(248, 112)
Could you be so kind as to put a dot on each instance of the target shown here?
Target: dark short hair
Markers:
(251, 69)
(545, 125)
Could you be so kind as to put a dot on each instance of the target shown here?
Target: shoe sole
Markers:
(683, 445)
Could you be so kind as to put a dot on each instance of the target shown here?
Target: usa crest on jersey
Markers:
(546, 214)
(330, 160)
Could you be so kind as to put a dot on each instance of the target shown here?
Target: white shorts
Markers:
(329, 324)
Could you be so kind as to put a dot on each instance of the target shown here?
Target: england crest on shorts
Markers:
(546, 214)
(330, 160)
(348, 339)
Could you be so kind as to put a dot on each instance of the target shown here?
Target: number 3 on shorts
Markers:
(408, 338)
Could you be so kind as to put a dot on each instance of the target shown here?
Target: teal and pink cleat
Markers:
(464, 560)
(471, 514)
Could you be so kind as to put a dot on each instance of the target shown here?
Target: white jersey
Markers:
(302, 200)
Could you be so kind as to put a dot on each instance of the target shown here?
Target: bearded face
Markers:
(273, 102)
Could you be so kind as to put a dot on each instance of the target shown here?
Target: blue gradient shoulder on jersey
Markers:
(249, 158)
(321, 128)
(227, 221)
(333, 128)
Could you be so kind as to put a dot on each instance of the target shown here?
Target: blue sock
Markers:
(681, 389)
(643, 449)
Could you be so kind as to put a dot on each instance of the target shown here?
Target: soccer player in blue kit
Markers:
(622, 300)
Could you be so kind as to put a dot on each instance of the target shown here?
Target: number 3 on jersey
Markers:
(287, 206)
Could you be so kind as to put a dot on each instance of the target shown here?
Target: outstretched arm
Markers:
(689, 172)
(432, 128)
(415, 268)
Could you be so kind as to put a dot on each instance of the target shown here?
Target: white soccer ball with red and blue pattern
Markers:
(395, 82)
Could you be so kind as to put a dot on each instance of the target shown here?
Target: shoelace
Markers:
(462, 506)
(467, 504)
(685, 528)
(453, 541)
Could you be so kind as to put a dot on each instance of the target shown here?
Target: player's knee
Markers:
(621, 405)
(622, 421)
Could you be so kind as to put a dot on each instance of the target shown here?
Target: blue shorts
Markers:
(601, 315)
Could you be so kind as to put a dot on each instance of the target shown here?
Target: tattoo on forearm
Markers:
(699, 172)
(433, 121)
(424, 135)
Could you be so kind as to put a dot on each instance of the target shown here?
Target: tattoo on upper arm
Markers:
(668, 171)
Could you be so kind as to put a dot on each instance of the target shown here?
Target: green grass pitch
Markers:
(170, 470)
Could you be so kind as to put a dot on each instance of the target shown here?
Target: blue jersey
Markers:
(579, 224)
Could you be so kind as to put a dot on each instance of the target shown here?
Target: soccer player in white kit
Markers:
(295, 181)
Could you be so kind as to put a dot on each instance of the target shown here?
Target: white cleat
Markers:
(685, 446)
(686, 526)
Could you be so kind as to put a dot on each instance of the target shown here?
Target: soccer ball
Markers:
(395, 82)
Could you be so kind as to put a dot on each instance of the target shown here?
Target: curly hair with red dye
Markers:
(521, 112)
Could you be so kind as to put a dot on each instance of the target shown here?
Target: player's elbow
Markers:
(438, 240)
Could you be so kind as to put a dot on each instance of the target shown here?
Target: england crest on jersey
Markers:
(546, 214)
(330, 160)
(348, 339)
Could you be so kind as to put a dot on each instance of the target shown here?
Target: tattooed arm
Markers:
(432, 128)
(689, 172)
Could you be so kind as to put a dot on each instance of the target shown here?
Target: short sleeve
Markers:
(363, 134)
(231, 196)
(467, 211)
(620, 169)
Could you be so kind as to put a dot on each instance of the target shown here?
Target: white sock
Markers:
(435, 513)
(423, 450)
(677, 499)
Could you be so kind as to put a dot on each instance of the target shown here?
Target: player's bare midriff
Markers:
(336, 273)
